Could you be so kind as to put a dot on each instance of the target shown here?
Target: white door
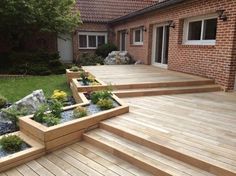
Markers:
(160, 45)
(65, 48)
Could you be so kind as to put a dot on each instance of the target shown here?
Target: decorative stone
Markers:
(117, 58)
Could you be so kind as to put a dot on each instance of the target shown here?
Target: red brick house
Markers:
(192, 36)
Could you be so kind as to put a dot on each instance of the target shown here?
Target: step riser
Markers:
(164, 84)
(169, 152)
(165, 92)
(125, 156)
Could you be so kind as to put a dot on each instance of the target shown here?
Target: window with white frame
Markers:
(200, 30)
(92, 40)
(138, 36)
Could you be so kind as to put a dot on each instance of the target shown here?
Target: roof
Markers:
(151, 8)
(107, 10)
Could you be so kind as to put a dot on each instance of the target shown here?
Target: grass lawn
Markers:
(16, 88)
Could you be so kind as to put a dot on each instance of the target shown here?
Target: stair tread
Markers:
(149, 156)
(166, 88)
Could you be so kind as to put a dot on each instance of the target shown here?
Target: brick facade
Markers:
(217, 62)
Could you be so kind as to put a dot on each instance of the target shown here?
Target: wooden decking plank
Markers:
(65, 165)
(13, 172)
(26, 170)
(39, 169)
(117, 161)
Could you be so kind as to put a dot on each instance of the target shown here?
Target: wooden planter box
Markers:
(70, 75)
(35, 151)
(89, 88)
(69, 132)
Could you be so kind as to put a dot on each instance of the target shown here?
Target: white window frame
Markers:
(186, 30)
(92, 34)
(141, 36)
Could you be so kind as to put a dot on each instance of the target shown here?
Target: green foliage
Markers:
(105, 49)
(105, 104)
(40, 113)
(90, 59)
(3, 101)
(96, 96)
(11, 143)
(84, 78)
(13, 114)
(24, 18)
(80, 112)
(51, 119)
(76, 69)
(55, 107)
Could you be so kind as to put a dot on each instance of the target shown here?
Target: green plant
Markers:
(90, 59)
(84, 78)
(80, 112)
(40, 113)
(55, 107)
(3, 101)
(96, 96)
(51, 119)
(105, 104)
(11, 143)
(59, 95)
(105, 49)
(13, 114)
(74, 68)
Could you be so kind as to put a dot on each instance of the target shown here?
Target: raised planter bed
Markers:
(80, 87)
(69, 131)
(72, 74)
(30, 150)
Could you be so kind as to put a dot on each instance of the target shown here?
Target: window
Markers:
(138, 36)
(91, 40)
(200, 30)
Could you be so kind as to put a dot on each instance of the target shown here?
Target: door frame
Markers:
(122, 32)
(154, 45)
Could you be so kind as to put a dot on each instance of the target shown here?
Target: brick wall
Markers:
(88, 27)
(217, 62)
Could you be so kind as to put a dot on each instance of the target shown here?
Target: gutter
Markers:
(152, 8)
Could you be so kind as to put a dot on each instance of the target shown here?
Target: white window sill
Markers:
(138, 43)
(211, 42)
(88, 48)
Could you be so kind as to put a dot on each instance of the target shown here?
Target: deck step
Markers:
(166, 148)
(141, 156)
(166, 90)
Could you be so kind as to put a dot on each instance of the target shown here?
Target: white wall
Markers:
(65, 48)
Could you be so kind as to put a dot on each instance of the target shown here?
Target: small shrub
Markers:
(55, 107)
(40, 113)
(41, 70)
(59, 95)
(96, 96)
(75, 69)
(105, 49)
(55, 63)
(58, 70)
(80, 112)
(51, 119)
(11, 143)
(3, 101)
(105, 104)
(90, 59)
(84, 78)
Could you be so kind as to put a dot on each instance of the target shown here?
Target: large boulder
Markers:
(117, 58)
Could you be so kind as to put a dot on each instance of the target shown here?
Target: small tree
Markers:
(22, 18)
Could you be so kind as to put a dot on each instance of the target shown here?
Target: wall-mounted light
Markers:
(171, 24)
(221, 15)
(127, 32)
(144, 29)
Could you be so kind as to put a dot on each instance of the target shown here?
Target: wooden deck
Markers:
(128, 74)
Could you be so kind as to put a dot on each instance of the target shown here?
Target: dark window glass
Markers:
(101, 40)
(137, 36)
(92, 41)
(194, 31)
(209, 32)
(82, 41)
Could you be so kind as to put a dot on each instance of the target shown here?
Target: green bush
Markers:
(105, 49)
(40, 113)
(55, 107)
(58, 70)
(3, 101)
(80, 112)
(96, 96)
(41, 70)
(74, 68)
(55, 63)
(90, 59)
(11, 143)
(105, 104)
(51, 119)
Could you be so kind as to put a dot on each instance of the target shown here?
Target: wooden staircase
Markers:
(165, 88)
(158, 158)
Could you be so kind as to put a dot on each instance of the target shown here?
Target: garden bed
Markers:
(73, 74)
(80, 87)
(70, 130)
(30, 150)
